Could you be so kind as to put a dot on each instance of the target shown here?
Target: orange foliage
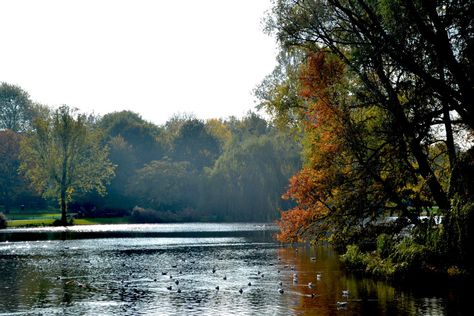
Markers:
(292, 223)
(314, 185)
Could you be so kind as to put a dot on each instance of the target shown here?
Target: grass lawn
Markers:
(102, 220)
(30, 223)
(38, 219)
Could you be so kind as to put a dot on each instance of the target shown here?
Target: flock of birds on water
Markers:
(342, 304)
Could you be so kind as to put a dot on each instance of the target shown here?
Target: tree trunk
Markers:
(63, 207)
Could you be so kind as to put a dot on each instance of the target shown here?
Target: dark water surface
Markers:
(124, 275)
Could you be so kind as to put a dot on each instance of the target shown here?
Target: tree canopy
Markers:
(382, 93)
(16, 110)
(64, 156)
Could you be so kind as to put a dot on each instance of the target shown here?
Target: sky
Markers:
(157, 58)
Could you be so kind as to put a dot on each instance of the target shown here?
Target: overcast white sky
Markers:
(156, 58)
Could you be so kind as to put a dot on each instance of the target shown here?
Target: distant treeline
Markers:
(185, 170)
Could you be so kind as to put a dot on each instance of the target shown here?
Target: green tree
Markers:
(11, 182)
(248, 179)
(138, 133)
(165, 185)
(64, 156)
(195, 144)
(15, 108)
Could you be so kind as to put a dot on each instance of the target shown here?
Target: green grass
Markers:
(102, 220)
(30, 223)
(38, 216)
(46, 217)
(38, 222)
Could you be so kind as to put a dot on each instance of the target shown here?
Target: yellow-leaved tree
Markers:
(63, 156)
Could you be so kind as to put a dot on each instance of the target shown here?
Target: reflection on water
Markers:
(131, 276)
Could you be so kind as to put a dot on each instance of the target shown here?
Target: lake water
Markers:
(131, 272)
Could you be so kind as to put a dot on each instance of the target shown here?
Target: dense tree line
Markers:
(120, 164)
(382, 91)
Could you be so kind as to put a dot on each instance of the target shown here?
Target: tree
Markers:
(166, 185)
(138, 133)
(15, 108)
(195, 144)
(11, 183)
(64, 156)
(248, 179)
(384, 95)
(396, 48)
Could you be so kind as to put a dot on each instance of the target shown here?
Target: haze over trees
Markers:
(120, 164)
(11, 182)
(382, 91)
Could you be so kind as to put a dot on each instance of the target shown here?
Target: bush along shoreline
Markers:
(431, 249)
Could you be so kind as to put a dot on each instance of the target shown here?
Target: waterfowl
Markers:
(280, 290)
(250, 284)
(345, 293)
(169, 288)
(318, 277)
(214, 270)
(179, 290)
(280, 283)
(217, 288)
(225, 277)
(176, 282)
(164, 273)
(310, 285)
(174, 266)
(341, 304)
(241, 291)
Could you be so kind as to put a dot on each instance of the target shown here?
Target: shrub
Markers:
(410, 253)
(384, 245)
(354, 258)
(3, 221)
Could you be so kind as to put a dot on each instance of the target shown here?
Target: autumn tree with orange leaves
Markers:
(380, 93)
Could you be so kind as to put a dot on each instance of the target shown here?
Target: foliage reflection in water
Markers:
(130, 276)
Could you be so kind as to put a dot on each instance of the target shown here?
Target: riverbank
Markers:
(46, 222)
(405, 261)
